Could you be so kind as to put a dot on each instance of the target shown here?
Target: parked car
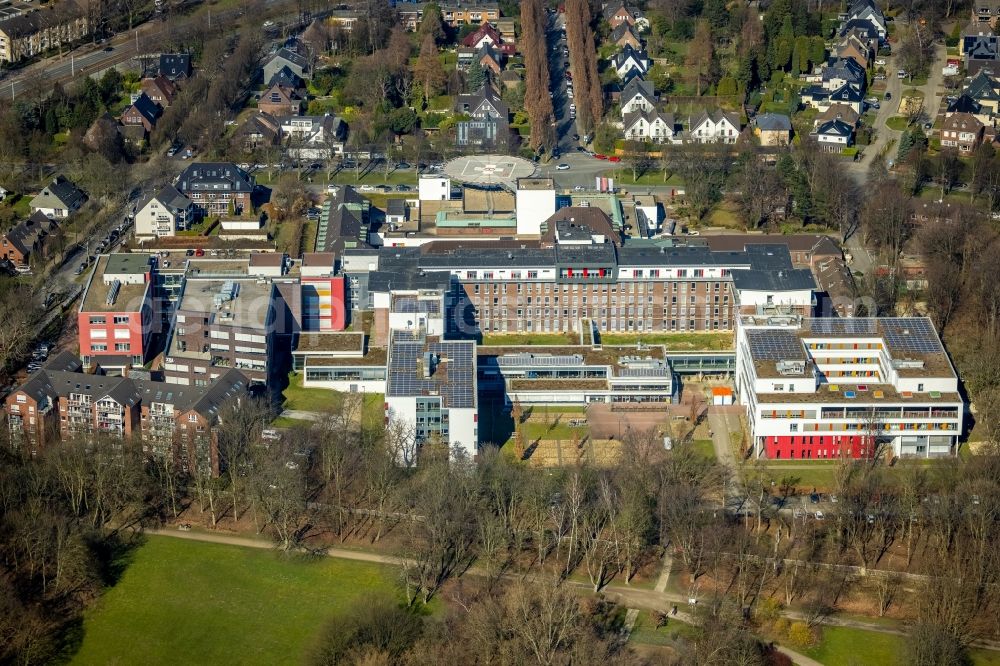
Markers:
(403, 188)
(366, 188)
(600, 157)
(199, 252)
(579, 188)
(403, 165)
(562, 167)
(888, 95)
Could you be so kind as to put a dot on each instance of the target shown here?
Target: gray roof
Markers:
(64, 360)
(638, 86)
(793, 279)
(452, 371)
(773, 122)
(835, 127)
(175, 65)
(60, 192)
(217, 176)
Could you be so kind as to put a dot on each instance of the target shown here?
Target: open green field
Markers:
(327, 401)
(646, 631)
(189, 602)
(674, 341)
(843, 646)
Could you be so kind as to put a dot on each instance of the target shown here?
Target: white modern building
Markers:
(536, 202)
(830, 387)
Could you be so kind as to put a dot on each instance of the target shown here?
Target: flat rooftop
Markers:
(127, 264)
(487, 201)
(373, 357)
(241, 303)
(128, 299)
(207, 267)
(873, 393)
(911, 342)
(331, 342)
(536, 184)
(609, 356)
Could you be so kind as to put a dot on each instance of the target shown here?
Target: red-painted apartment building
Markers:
(117, 315)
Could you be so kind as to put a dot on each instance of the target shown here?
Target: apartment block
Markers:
(831, 387)
(174, 422)
(220, 323)
(117, 315)
(216, 189)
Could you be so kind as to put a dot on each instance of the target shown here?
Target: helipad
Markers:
(489, 169)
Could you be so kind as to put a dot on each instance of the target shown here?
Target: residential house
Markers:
(163, 214)
(618, 12)
(839, 72)
(484, 35)
(510, 79)
(650, 126)
(175, 66)
(773, 129)
(489, 118)
(626, 35)
(215, 187)
(866, 11)
(160, 89)
(505, 27)
(486, 57)
(143, 112)
(838, 112)
(715, 126)
(279, 100)
(343, 20)
(822, 99)
(345, 223)
(986, 12)
(26, 32)
(855, 48)
(459, 13)
(258, 131)
(965, 104)
(834, 135)
(313, 137)
(863, 30)
(982, 52)
(985, 90)
(58, 199)
(286, 77)
(28, 238)
(410, 15)
(961, 131)
(630, 60)
(285, 57)
(637, 95)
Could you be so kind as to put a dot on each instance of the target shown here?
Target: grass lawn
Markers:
(539, 430)
(821, 477)
(724, 215)
(374, 177)
(842, 646)
(674, 341)
(704, 447)
(647, 633)
(651, 178)
(520, 339)
(309, 399)
(188, 602)
(898, 123)
(22, 206)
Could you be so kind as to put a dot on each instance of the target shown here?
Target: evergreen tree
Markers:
(905, 146)
(476, 78)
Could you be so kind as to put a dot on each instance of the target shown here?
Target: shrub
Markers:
(780, 626)
(800, 635)
(769, 609)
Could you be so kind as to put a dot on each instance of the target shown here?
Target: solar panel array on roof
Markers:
(775, 345)
(527, 359)
(845, 326)
(913, 334)
(459, 390)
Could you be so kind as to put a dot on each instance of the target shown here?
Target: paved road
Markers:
(721, 424)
